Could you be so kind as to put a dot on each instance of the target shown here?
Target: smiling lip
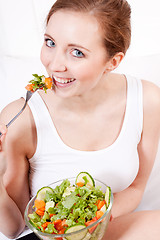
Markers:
(63, 82)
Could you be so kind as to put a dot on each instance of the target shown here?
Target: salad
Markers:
(39, 82)
(68, 208)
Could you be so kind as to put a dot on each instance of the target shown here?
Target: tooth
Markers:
(63, 80)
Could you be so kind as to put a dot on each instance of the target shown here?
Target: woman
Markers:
(92, 120)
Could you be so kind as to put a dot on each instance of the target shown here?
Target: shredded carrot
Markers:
(39, 212)
(57, 204)
(39, 204)
(80, 184)
(29, 87)
(48, 82)
(62, 231)
(100, 204)
(99, 214)
(90, 222)
(58, 221)
(45, 225)
(64, 223)
(58, 224)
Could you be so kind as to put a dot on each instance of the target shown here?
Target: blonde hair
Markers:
(113, 16)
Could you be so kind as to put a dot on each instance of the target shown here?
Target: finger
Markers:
(2, 164)
(111, 217)
(3, 130)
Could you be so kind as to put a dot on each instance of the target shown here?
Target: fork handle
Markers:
(15, 117)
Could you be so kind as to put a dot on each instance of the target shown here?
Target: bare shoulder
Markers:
(151, 102)
(22, 131)
(11, 110)
(151, 93)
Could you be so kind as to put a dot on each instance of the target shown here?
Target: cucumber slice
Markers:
(33, 224)
(68, 191)
(49, 204)
(77, 236)
(85, 177)
(87, 237)
(41, 194)
(108, 196)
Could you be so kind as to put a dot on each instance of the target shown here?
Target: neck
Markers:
(87, 101)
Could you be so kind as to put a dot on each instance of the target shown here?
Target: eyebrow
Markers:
(70, 44)
(78, 46)
(47, 35)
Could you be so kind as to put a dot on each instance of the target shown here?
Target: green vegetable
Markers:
(70, 208)
(86, 178)
(41, 194)
(38, 82)
(77, 236)
(108, 196)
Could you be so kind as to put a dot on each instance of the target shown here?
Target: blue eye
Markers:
(77, 53)
(49, 43)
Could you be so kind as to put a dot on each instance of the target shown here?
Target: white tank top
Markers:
(116, 165)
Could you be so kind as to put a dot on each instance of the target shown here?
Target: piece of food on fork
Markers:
(39, 82)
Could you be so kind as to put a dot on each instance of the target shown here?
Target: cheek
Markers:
(43, 57)
(83, 69)
(90, 70)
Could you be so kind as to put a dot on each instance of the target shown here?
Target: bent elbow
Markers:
(14, 232)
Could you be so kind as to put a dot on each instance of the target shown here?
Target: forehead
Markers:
(69, 26)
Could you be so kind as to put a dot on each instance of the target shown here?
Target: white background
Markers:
(21, 36)
(22, 24)
(145, 27)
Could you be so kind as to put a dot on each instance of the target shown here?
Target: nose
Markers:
(58, 62)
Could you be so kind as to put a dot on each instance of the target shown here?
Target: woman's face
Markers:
(73, 53)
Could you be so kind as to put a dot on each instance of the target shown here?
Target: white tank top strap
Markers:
(135, 103)
(42, 121)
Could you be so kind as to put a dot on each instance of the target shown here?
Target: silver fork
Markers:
(28, 96)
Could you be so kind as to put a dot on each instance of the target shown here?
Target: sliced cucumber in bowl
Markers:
(108, 196)
(41, 194)
(68, 191)
(86, 179)
(77, 236)
(87, 237)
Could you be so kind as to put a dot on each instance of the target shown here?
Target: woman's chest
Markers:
(117, 165)
(89, 132)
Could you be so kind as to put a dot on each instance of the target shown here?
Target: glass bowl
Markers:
(86, 233)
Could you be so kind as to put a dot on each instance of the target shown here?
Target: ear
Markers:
(114, 62)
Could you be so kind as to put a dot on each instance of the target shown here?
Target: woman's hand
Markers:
(3, 130)
(111, 217)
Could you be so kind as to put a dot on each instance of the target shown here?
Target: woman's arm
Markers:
(14, 187)
(11, 220)
(10, 215)
(127, 200)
